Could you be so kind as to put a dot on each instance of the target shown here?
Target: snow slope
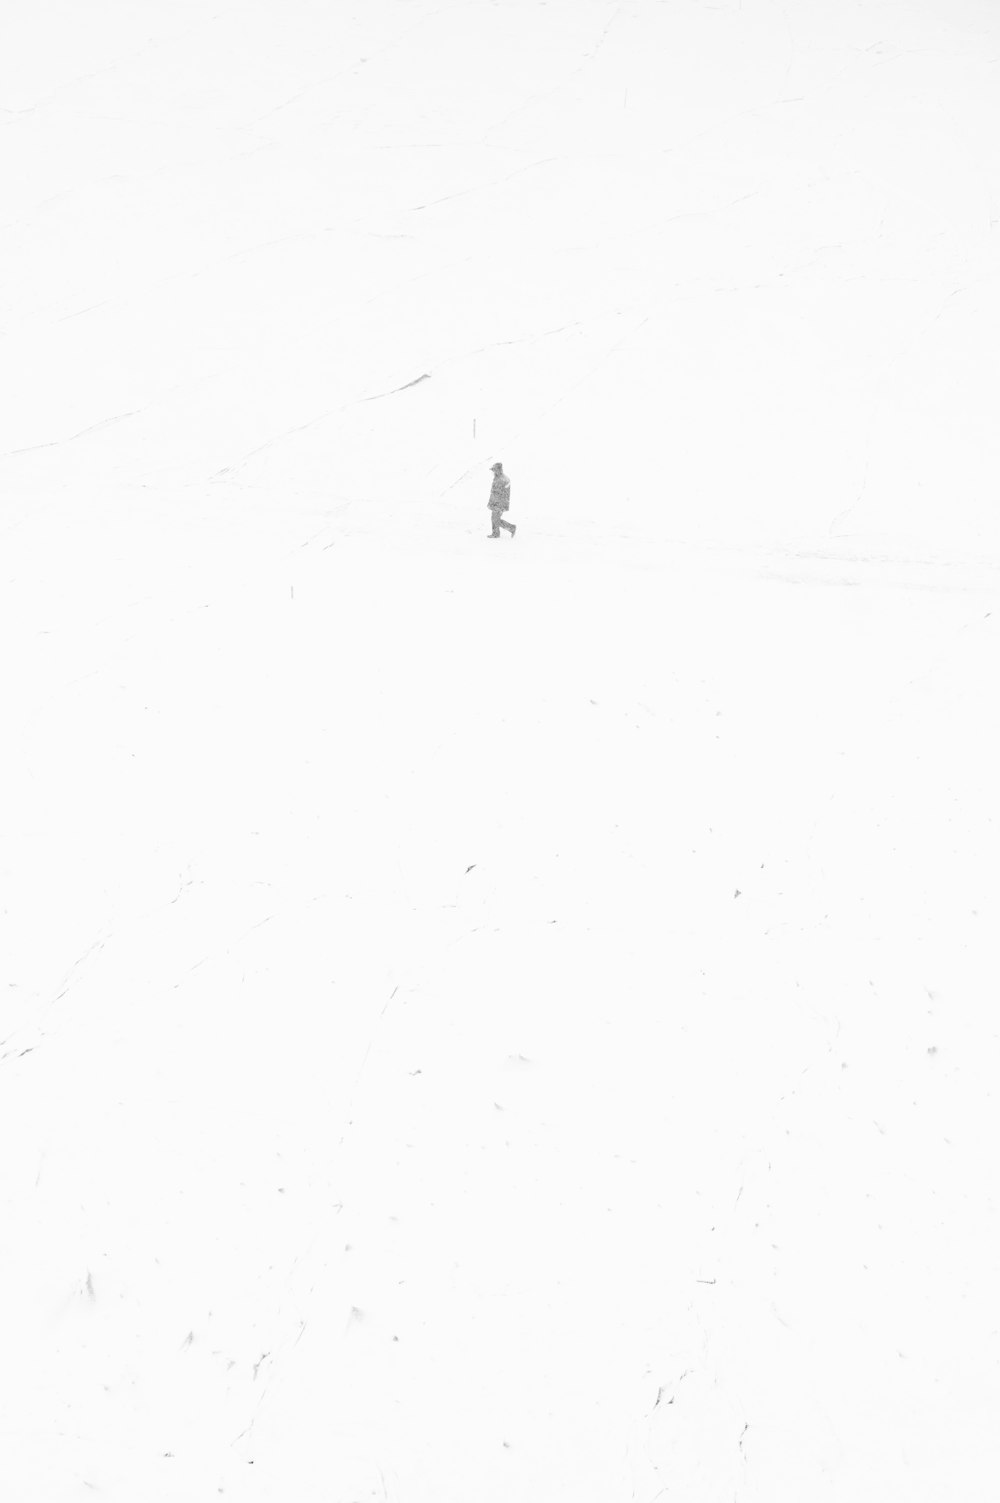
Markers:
(505, 1020)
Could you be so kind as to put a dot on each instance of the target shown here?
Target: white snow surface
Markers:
(503, 1021)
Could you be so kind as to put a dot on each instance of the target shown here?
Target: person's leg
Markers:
(496, 524)
(509, 526)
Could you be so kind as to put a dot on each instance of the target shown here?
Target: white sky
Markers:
(499, 1021)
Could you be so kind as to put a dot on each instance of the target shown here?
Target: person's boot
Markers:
(513, 528)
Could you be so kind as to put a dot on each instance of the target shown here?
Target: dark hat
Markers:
(497, 466)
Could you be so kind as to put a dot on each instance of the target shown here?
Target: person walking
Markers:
(499, 502)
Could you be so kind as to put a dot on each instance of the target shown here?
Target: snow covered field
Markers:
(502, 1023)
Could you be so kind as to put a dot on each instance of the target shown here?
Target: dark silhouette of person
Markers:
(499, 502)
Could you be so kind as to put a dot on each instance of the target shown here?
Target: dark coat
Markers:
(500, 493)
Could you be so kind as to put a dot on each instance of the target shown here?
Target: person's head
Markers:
(497, 468)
